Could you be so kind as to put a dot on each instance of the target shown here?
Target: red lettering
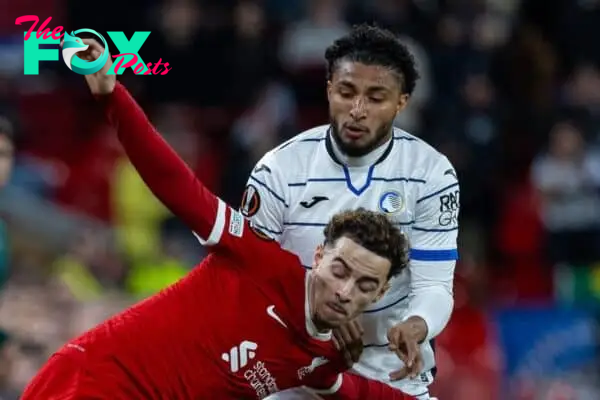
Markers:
(156, 68)
(28, 18)
(138, 69)
(57, 31)
(129, 63)
(167, 69)
(148, 70)
(43, 30)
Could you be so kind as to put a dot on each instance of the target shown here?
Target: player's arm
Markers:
(171, 180)
(434, 250)
(347, 386)
(266, 199)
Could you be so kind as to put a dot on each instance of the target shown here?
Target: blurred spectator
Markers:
(304, 42)
(6, 161)
(568, 177)
(178, 252)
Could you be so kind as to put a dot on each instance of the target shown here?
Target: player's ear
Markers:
(382, 291)
(402, 102)
(318, 256)
(329, 90)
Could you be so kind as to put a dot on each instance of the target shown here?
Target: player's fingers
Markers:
(355, 331)
(400, 374)
(416, 369)
(412, 351)
(345, 334)
(402, 356)
(336, 341)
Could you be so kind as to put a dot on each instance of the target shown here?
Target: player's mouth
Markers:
(336, 308)
(355, 131)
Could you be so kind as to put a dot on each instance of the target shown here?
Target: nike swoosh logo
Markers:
(271, 313)
(315, 200)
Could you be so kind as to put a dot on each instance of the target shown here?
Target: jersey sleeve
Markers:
(434, 250)
(265, 199)
(346, 386)
(215, 223)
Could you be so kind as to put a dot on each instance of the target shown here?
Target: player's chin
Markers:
(334, 319)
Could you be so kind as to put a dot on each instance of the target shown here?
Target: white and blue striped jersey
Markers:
(297, 187)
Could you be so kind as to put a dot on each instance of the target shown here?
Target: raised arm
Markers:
(167, 176)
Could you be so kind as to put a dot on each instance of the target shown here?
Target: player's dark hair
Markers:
(6, 128)
(373, 231)
(371, 45)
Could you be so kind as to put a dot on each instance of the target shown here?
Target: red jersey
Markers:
(238, 326)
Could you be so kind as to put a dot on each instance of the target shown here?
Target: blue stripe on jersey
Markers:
(301, 223)
(349, 184)
(417, 228)
(434, 255)
(314, 140)
(400, 180)
(436, 193)
(407, 138)
(376, 179)
(278, 197)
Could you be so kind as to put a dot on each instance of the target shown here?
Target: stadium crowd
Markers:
(509, 91)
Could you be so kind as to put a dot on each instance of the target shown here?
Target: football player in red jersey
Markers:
(249, 321)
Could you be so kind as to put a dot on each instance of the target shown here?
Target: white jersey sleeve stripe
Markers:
(334, 388)
(218, 227)
(275, 195)
(433, 255)
(436, 193)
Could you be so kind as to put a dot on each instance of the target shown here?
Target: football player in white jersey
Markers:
(361, 160)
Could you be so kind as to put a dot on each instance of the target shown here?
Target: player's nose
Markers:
(344, 291)
(359, 109)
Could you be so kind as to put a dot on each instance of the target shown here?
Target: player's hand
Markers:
(404, 340)
(99, 82)
(348, 339)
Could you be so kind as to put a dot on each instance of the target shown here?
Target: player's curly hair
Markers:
(372, 45)
(372, 230)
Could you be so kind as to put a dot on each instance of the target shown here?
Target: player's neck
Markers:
(311, 306)
(361, 161)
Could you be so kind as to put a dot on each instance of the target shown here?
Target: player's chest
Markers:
(268, 357)
(322, 194)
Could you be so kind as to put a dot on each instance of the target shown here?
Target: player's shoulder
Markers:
(294, 152)
(420, 155)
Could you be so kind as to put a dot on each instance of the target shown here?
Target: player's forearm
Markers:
(356, 387)
(433, 305)
(167, 176)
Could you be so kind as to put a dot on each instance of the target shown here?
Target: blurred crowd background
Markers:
(510, 92)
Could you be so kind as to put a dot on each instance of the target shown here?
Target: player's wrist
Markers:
(417, 326)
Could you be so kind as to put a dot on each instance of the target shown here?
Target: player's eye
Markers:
(338, 270)
(376, 99)
(367, 287)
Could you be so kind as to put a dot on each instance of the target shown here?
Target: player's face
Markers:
(363, 102)
(347, 278)
(6, 159)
